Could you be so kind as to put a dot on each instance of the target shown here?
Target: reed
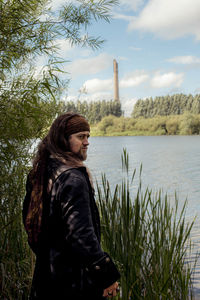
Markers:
(148, 239)
(15, 254)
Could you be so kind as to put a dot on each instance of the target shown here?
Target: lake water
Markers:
(170, 163)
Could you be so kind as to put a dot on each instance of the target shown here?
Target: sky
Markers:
(156, 44)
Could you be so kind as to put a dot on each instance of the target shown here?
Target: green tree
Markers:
(196, 105)
(137, 111)
(28, 104)
(28, 28)
(150, 108)
(95, 111)
(116, 109)
(176, 104)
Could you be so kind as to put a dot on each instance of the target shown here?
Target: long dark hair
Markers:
(55, 144)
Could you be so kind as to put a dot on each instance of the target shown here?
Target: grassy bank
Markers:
(186, 124)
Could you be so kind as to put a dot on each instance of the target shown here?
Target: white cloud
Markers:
(185, 60)
(97, 85)
(90, 65)
(122, 17)
(169, 19)
(70, 97)
(90, 97)
(133, 79)
(97, 97)
(64, 47)
(170, 79)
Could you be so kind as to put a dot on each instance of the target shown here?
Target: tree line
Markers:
(167, 105)
(94, 111)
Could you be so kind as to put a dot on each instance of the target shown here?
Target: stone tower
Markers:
(116, 83)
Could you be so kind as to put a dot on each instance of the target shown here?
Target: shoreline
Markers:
(95, 133)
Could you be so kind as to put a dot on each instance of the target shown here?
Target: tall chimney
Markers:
(116, 84)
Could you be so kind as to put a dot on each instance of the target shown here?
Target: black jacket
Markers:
(70, 263)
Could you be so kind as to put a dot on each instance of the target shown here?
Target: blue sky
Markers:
(156, 44)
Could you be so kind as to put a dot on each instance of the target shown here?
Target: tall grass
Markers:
(148, 239)
(15, 254)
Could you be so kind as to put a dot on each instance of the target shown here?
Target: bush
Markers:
(119, 124)
(130, 124)
(190, 124)
(187, 124)
(172, 125)
(106, 122)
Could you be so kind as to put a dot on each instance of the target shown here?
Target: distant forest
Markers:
(95, 111)
(167, 105)
(176, 104)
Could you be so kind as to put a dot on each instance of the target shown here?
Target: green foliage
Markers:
(153, 125)
(165, 106)
(28, 104)
(95, 111)
(106, 123)
(190, 124)
(185, 124)
(25, 115)
(149, 240)
(111, 124)
(172, 125)
(14, 253)
(21, 33)
(28, 28)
